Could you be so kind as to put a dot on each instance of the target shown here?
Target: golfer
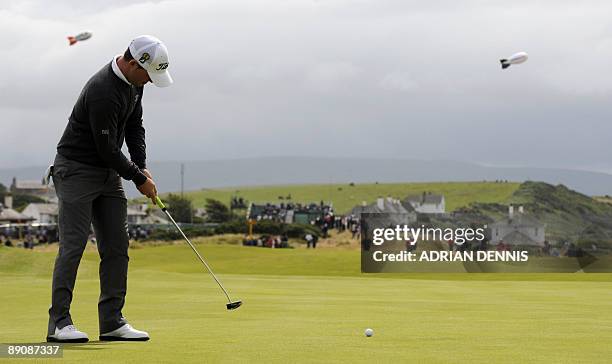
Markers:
(87, 175)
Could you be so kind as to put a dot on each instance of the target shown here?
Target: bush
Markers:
(268, 227)
(180, 208)
(235, 227)
(232, 227)
(171, 233)
(21, 201)
(300, 230)
(217, 211)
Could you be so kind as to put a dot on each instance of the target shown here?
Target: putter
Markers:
(231, 305)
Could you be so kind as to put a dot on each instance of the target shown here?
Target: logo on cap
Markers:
(162, 66)
(145, 57)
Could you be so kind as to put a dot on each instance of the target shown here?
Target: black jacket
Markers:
(107, 112)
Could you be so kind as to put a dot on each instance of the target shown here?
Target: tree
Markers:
(180, 208)
(20, 201)
(217, 211)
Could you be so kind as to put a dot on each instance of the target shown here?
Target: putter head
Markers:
(234, 305)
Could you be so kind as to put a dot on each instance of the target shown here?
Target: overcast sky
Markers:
(380, 78)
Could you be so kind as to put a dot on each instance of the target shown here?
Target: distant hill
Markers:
(568, 215)
(306, 170)
(345, 196)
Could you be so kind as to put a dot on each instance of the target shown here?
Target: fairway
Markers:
(313, 306)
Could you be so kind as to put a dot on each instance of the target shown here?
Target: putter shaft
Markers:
(198, 254)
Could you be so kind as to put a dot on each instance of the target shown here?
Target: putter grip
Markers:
(160, 203)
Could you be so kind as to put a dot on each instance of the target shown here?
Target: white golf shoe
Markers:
(68, 334)
(125, 333)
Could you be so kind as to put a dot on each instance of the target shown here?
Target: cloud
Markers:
(400, 81)
(348, 78)
(329, 76)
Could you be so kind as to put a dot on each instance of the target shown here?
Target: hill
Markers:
(568, 215)
(344, 196)
(267, 171)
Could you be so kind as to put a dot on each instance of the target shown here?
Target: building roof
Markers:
(12, 215)
(519, 220)
(154, 219)
(30, 185)
(518, 238)
(425, 198)
(44, 208)
(135, 212)
(407, 206)
(433, 199)
(360, 209)
(388, 206)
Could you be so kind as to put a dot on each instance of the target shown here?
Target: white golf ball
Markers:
(369, 332)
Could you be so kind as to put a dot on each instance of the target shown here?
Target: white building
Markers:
(399, 214)
(44, 213)
(427, 203)
(136, 215)
(140, 215)
(34, 188)
(518, 229)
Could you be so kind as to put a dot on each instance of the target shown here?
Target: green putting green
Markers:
(313, 306)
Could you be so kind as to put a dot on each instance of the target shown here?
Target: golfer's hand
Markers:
(148, 189)
(147, 173)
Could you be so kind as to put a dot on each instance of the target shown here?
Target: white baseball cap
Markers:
(152, 55)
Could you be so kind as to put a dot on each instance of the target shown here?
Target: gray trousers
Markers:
(89, 195)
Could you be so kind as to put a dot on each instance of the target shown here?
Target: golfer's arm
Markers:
(103, 118)
(135, 138)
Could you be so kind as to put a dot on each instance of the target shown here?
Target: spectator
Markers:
(409, 246)
(546, 250)
(44, 234)
(309, 240)
(270, 242)
(354, 230)
(139, 232)
(29, 241)
(284, 242)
